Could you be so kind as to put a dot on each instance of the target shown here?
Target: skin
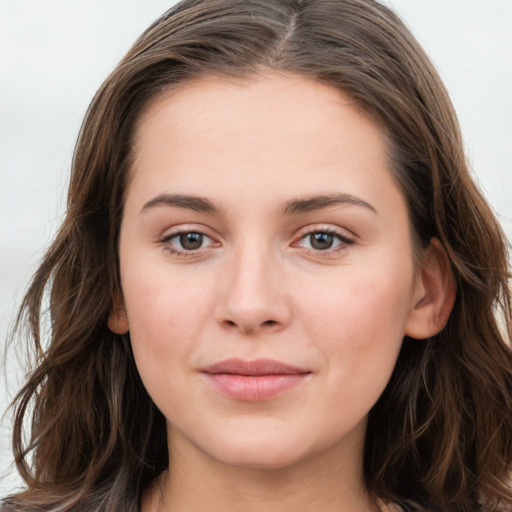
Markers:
(258, 287)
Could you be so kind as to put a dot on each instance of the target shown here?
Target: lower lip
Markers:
(255, 388)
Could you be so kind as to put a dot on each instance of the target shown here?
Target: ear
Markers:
(434, 294)
(117, 318)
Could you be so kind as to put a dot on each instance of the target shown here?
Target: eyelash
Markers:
(166, 242)
(343, 239)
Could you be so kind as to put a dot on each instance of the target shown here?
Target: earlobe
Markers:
(435, 294)
(117, 318)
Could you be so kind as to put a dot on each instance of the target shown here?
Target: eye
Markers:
(190, 241)
(320, 241)
(186, 242)
(323, 240)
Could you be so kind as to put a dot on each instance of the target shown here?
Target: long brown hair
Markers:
(440, 436)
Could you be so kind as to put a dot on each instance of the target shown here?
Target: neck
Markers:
(331, 481)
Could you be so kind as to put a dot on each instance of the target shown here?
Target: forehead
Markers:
(266, 137)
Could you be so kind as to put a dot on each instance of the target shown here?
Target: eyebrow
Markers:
(198, 204)
(292, 207)
(308, 204)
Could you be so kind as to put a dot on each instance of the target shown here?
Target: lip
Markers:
(254, 381)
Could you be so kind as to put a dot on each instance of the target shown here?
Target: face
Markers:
(266, 268)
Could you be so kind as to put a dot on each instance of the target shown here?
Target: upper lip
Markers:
(256, 367)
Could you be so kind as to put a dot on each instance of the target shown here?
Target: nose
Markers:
(254, 293)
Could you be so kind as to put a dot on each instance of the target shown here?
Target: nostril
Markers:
(248, 326)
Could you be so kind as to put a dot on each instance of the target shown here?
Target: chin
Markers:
(276, 450)
(259, 457)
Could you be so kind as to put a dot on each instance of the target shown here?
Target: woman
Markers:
(277, 286)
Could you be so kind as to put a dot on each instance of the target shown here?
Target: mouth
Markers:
(253, 381)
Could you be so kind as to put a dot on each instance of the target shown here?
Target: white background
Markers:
(54, 54)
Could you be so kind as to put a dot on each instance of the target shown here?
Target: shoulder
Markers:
(403, 507)
(389, 507)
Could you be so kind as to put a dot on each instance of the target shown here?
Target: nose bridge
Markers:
(253, 294)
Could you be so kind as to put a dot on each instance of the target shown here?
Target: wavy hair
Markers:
(440, 436)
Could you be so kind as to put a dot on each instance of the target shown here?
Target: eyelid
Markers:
(183, 229)
(187, 227)
(327, 228)
(345, 237)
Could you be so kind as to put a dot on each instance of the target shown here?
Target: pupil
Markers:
(191, 241)
(321, 241)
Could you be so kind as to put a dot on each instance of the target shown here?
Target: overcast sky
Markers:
(55, 53)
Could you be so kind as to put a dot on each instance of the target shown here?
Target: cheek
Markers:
(165, 315)
(360, 318)
(160, 297)
(358, 327)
